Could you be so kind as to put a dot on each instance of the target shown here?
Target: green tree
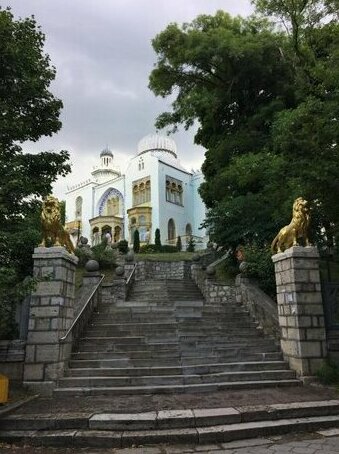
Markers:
(157, 240)
(266, 103)
(136, 242)
(191, 245)
(179, 244)
(28, 111)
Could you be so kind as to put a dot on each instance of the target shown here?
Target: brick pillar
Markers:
(51, 314)
(300, 309)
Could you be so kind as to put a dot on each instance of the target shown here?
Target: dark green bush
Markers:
(123, 246)
(179, 244)
(136, 242)
(105, 255)
(191, 245)
(157, 240)
(84, 254)
(148, 249)
(168, 248)
(328, 373)
(260, 267)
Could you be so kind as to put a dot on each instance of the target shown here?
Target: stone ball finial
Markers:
(92, 265)
(196, 258)
(119, 271)
(129, 256)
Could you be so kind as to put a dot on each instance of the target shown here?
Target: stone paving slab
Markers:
(147, 403)
(295, 444)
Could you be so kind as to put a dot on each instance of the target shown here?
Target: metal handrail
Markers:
(78, 317)
(130, 276)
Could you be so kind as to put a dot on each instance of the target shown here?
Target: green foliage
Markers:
(191, 245)
(11, 294)
(267, 104)
(179, 244)
(328, 373)
(157, 240)
(84, 254)
(136, 242)
(28, 111)
(123, 246)
(152, 249)
(104, 255)
(167, 248)
(260, 267)
(148, 249)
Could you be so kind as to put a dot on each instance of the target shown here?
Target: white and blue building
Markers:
(155, 191)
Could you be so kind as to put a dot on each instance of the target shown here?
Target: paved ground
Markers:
(144, 403)
(300, 444)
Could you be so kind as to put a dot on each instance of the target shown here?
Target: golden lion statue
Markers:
(296, 229)
(52, 230)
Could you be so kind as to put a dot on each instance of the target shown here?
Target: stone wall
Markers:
(51, 315)
(162, 270)
(213, 292)
(261, 307)
(300, 309)
(113, 292)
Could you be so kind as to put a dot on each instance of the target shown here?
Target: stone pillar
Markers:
(50, 316)
(300, 309)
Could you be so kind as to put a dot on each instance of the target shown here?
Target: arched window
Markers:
(171, 229)
(188, 230)
(78, 207)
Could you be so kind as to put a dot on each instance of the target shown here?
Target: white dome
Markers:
(156, 142)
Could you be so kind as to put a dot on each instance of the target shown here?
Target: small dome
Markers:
(106, 152)
(156, 142)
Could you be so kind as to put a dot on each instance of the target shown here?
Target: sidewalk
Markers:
(317, 443)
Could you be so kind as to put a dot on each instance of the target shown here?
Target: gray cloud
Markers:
(103, 56)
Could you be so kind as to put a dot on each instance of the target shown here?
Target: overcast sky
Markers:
(103, 56)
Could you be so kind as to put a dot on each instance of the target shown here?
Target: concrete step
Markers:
(91, 359)
(102, 380)
(120, 438)
(107, 368)
(163, 420)
(171, 389)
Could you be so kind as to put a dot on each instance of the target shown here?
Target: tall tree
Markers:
(255, 96)
(28, 111)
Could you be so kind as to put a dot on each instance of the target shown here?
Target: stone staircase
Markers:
(166, 339)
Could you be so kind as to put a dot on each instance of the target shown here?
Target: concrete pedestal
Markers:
(300, 309)
(50, 316)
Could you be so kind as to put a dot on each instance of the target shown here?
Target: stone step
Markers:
(191, 348)
(169, 380)
(109, 367)
(166, 380)
(92, 359)
(171, 389)
(121, 438)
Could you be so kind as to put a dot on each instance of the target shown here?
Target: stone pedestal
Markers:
(50, 316)
(300, 309)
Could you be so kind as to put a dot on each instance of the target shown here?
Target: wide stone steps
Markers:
(106, 368)
(165, 339)
(171, 389)
(197, 425)
(90, 359)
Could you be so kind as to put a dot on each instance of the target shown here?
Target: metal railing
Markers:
(81, 320)
(129, 281)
